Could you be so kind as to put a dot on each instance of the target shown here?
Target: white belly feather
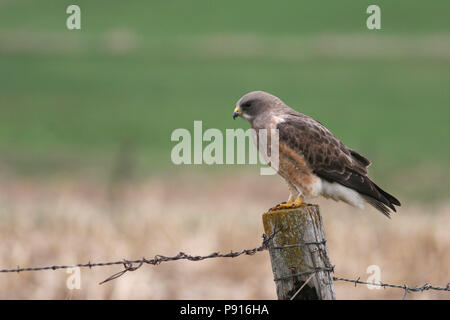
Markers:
(336, 192)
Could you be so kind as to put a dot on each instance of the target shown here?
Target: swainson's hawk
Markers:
(311, 159)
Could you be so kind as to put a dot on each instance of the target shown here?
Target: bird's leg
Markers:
(290, 202)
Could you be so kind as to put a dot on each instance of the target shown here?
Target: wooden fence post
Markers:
(298, 253)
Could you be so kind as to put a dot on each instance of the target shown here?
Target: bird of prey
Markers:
(311, 159)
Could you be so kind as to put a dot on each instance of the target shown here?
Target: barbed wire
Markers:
(405, 287)
(133, 265)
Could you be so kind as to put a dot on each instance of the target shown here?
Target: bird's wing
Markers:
(330, 159)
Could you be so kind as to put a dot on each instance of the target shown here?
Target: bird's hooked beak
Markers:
(237, 112)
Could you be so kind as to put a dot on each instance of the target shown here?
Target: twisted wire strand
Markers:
(133, 265)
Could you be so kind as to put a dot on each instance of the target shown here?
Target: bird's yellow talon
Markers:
(289, 205)
(299, 203)
(284, 205)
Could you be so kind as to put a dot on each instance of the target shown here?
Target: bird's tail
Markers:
(384, 203)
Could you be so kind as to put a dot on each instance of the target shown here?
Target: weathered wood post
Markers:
(298, 253)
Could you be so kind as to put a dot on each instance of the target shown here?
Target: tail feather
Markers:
(388, 196)
(385, 202)
(380, 206)
(362, 184)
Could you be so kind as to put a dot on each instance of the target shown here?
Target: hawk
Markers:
(312, 161)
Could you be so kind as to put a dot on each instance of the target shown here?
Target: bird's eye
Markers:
(246, 104)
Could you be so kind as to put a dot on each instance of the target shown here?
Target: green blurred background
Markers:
(109, 95)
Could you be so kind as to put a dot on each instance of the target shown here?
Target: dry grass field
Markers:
(68, 222)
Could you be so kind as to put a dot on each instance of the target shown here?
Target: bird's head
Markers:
(253, 104)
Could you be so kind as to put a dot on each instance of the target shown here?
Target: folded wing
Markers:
(332, 161)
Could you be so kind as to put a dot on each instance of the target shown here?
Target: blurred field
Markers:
(138, 70)
(65, 223)
(86, 118)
